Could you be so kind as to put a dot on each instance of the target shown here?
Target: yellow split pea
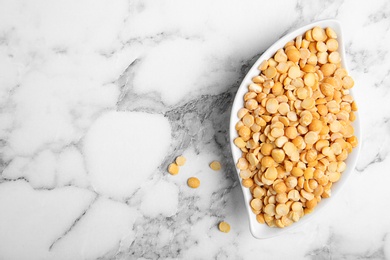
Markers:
(193, 182)
(181, 160)
(173, 169)
(215, 165)
(224, 227)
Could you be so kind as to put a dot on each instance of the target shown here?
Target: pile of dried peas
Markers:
(295, 130)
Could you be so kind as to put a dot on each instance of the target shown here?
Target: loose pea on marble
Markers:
(193, 182)
(215, 165)
(224, 227)
(173, 169)
(180, 160)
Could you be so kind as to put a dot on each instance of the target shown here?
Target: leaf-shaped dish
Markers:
(262, 230)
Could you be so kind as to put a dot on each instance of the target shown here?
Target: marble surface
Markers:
(98, 97)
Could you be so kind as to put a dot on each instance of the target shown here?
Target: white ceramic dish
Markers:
(262, 230)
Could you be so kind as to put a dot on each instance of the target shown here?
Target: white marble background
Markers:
(98, 97)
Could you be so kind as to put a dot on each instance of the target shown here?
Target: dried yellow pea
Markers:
(247, 183)
(173, 169)
(193, 182)
(224, 227)
(239, 142)
(215, 165)
(180, 160)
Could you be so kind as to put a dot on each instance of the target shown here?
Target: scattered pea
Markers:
(173, 169)
(224, 227)
(215, 165)
(193, 182)
(180, 160)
